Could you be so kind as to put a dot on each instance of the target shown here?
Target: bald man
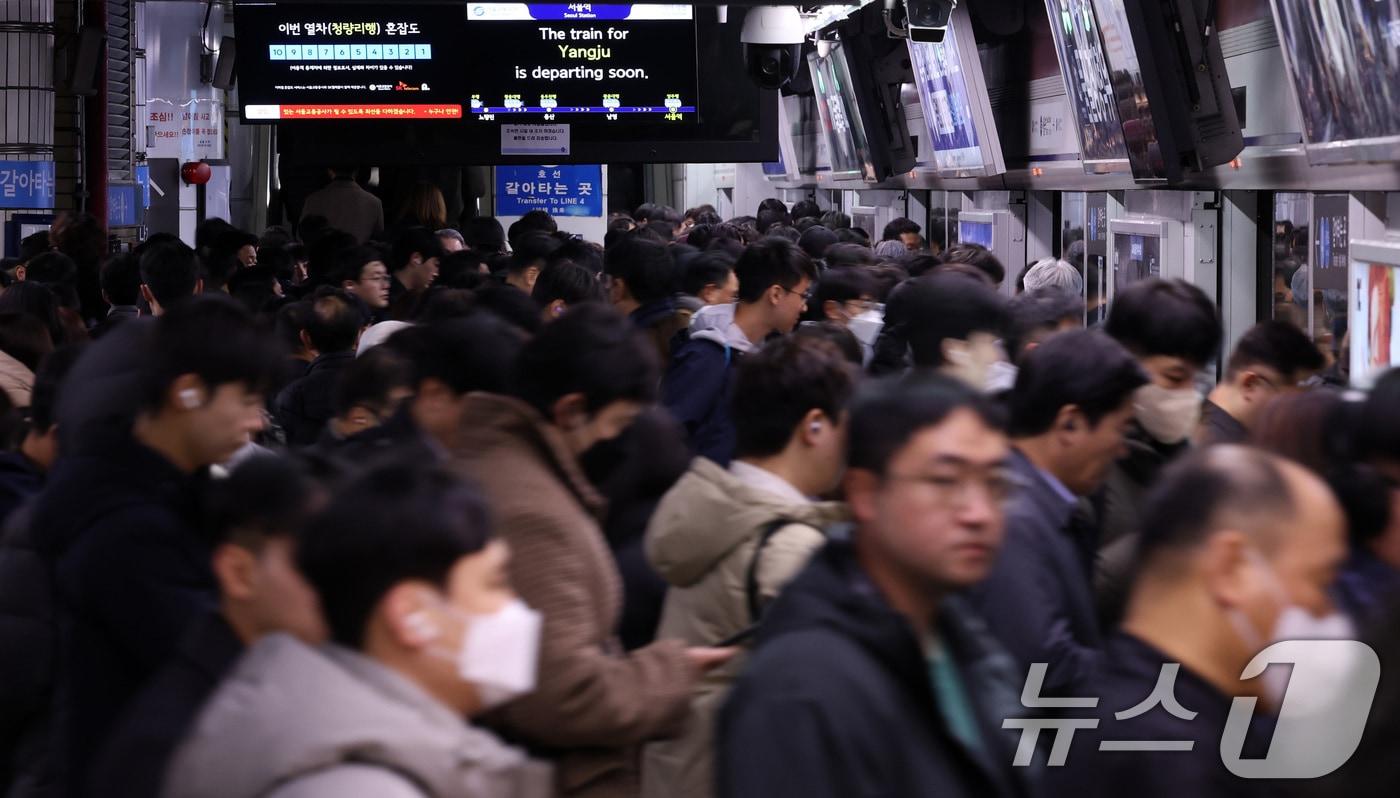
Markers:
(1233, 539)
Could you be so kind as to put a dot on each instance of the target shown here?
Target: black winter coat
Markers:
(837, 702)
(135, 758)
(20, 480)
(132, 574)
(28, 636)
(304, 407)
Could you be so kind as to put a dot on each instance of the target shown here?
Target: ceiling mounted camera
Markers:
(773, 37)
(928, 19)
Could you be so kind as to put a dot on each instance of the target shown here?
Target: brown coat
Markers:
(594, 704)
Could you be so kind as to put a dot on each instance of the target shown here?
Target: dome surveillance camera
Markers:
(772, 37)
(928, 19)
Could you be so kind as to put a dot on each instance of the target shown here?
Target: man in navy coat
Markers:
(1071, 405)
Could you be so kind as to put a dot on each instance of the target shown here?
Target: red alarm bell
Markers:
(196, 173)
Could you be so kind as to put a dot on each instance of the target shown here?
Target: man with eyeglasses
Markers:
(361, 272)
(1069, 412)
(868, 669)
(775, 283)
(1272, 358)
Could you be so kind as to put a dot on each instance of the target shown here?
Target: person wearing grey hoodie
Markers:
(775, 282)
(426, 633)
(728, 540)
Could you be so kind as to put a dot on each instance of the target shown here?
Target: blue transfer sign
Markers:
(122, 204)
(26, 184)
(558, 190)
(143, 179)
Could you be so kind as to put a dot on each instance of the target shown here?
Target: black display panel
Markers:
(336, 62)
(1087, 83)
(1096, 258)
(724, 118)
(1344, 60)
(838, 104)
(581, 63)
(1129, 88)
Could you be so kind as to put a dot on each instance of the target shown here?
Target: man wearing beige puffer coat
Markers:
(789, 411)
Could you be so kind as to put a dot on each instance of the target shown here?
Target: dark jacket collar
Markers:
(1038, 490)
(1146, 455)
(16, 465)
(653, 312)
(331, 360)
(1225, 428)
(212, 647)
(123, 472)
(834, 593)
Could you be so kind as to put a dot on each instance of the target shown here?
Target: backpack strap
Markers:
(751, 579)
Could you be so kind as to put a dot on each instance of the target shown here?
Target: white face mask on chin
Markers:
(1296, 623)
(1169, 416)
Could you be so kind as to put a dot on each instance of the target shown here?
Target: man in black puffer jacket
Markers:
(869, 676)
(117, 524)
(26, 592)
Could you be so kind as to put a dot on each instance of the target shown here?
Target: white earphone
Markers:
(420, 624)
(189, 398)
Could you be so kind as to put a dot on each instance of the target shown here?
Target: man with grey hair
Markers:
(891, 250)
(451, 240)
(1056, 274)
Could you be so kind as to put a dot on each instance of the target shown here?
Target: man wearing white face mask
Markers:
(846, 296)
(953, 324)
(1173, 329)
(1238, 551)
(426, 631)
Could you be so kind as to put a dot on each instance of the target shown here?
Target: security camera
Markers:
(772, 38)
(928, 19)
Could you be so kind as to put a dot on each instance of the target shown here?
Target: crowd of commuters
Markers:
(748, 507)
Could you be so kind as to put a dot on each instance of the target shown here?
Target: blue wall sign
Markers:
(558, 190)
(122, 204)
(26, 184)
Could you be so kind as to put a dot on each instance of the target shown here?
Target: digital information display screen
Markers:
(1375, 335)
(947, 104)
(847, 145)
(328, 62)
(975, 233)
(1331, 241)
(581, 62)
(1096, 257)
(1344, 57)
(1087, 83)
(1135, 258)
(1125, 77)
